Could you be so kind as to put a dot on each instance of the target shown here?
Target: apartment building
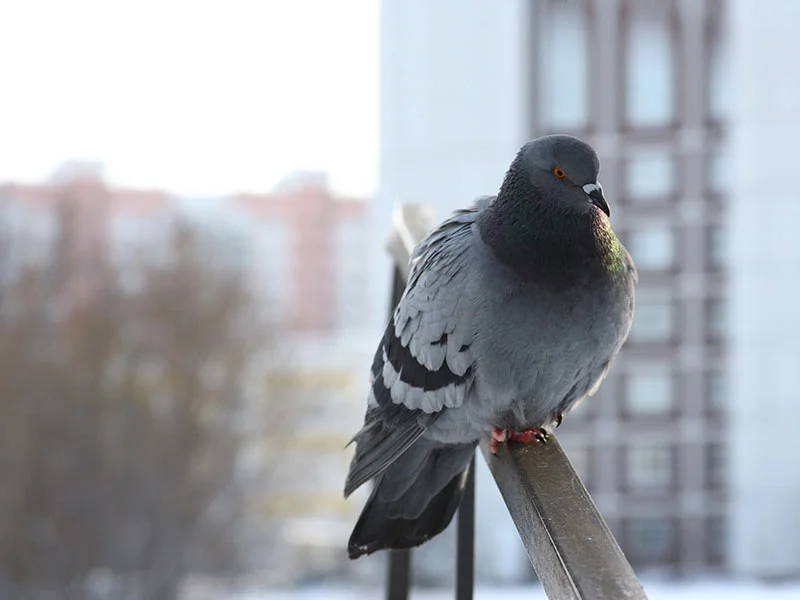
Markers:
(671, 94)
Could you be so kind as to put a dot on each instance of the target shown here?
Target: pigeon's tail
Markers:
(414, 499)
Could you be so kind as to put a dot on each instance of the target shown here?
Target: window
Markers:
(716, 388)
(654, 318)
(652, 246)
(715, 319)
(718, 172)
(563, 68)
(649, 392)
(650, 466)
(718, 65)
(716, 465)
(649, 65)
(651, 539)
(717, 539)
(650, 175)
(716, 250)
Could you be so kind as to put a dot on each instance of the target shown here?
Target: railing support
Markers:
(398, 582)
(465, 556)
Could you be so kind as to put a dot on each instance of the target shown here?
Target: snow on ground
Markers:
(656, 590)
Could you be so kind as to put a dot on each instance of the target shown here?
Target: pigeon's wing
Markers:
(424, 364)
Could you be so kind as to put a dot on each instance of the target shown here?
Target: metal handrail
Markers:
(568, 543)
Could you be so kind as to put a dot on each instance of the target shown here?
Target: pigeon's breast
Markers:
(539, 348)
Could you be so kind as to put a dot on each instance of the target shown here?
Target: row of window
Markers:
(653, 467)
(655, 540)
(655, 391)
(656, 319)
(650, 174)
(649, 53)
(655, 245)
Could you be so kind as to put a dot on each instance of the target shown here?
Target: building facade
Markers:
(647, 86)
(302, 244)
(668, 92)
(314, 242)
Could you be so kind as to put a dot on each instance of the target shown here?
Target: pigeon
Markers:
(513, 310)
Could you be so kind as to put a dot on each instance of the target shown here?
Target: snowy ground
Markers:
(656, 590)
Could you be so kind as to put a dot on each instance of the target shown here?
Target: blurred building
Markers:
(304, 249)
(663, 446)
(303, 245)
(314, 244)
(297, 460)
(74, 223)
(307, 250)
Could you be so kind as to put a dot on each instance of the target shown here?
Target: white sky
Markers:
(196, 97)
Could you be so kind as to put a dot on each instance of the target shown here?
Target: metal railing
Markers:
(568, 543)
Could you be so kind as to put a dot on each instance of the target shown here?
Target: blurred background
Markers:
(194, 198)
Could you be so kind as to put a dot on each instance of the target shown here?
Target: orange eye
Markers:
(559, 172)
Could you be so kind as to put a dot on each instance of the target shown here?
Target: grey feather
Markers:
(379, 444)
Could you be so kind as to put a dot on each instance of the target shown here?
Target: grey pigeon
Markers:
(513, 310)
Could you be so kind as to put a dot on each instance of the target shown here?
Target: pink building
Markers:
(69, 221)
(304, 245)
(326, 239)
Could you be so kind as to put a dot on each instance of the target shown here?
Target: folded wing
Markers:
(424, 364)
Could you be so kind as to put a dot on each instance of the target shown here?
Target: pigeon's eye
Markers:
(559, 172)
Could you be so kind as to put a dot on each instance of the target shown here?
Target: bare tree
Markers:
(119, 422)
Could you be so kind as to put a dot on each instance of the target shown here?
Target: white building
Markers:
(689, 447)
(765, 261)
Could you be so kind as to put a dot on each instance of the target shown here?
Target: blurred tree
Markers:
(121, 418)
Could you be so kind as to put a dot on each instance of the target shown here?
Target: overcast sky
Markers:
(197, 97)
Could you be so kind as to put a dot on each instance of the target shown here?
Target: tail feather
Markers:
(377, 447)
(414, 499)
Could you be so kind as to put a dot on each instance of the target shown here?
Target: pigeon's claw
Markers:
(498, 437)
(558, 418)
(526, 436)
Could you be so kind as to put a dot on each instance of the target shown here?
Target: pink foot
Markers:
(499, 436)
(534, 434)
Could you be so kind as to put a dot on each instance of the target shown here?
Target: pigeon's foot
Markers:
(526, 436)
(498, 437)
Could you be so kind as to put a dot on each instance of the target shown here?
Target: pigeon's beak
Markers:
(595, 193)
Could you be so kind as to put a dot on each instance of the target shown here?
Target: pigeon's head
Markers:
(550, 214)
(560, 170)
